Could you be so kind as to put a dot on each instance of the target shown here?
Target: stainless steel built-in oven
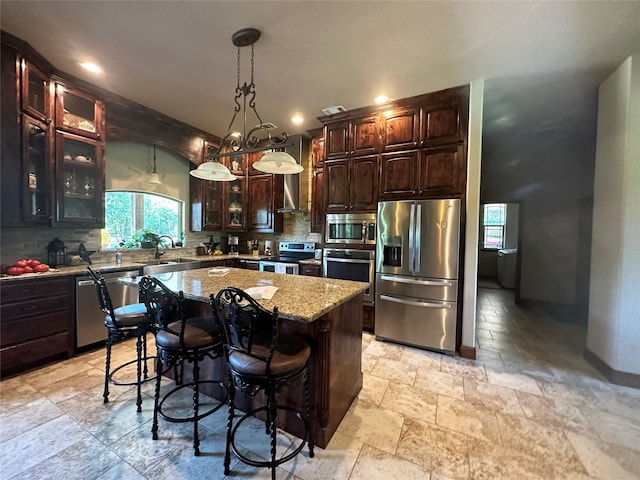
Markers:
(357, 265)
(351, 228)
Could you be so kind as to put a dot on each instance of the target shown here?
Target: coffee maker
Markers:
(233, 244)
(267, 248)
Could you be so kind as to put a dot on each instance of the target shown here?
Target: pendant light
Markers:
(155, 178)
(258, 138)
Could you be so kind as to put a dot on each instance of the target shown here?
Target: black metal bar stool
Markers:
(259, 358)
(178, 340)
(122, 322)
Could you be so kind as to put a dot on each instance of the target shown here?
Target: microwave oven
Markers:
(351, 228)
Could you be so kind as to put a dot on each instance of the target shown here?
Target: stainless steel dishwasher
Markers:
(90, 327)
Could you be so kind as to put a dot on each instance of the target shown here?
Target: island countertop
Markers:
(299, 298)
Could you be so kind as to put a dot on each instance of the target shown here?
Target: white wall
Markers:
(128, 166)
(474, 156)
(614, 301)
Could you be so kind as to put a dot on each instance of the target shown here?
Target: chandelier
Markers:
(256, 139)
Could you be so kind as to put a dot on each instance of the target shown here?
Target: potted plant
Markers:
(146, 238)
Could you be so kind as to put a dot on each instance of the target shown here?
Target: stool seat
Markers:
(198, 332)
(127, 316)
(290, 355)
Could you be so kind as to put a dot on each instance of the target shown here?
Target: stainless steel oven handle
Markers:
(433, 283)
(414, 303)
(346, 260)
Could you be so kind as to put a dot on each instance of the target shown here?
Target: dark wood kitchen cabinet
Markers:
(441, 121)
(310, 270)
(317, 181)
(358, 136)
(80, 180)
(234, 205)
(431, 172)
(266, 193)
(35, 92)
(37, 167)
(78, 112)
(400, 129)
(351, 184)
(36, 322)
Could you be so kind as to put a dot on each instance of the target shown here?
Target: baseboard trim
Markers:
(468, 352)
(614, 376)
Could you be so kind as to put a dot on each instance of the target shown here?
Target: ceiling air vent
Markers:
(334, 110)
(267, 126)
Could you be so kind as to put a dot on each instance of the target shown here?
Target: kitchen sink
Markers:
(175, 265)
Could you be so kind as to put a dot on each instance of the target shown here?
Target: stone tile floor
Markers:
(529, 407)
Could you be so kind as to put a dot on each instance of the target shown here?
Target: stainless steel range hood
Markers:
(299, 151)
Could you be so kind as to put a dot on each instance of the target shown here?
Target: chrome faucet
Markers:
(158, 253)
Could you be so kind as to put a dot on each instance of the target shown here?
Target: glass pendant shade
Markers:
(155, 179)
(278, 162)
(213, 171)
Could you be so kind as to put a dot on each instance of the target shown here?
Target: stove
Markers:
(290, 253)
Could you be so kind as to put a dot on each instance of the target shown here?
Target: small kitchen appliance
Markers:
(267, 248)
(233, 244)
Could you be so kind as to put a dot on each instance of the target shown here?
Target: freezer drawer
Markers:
(404, 286)
(417, 322)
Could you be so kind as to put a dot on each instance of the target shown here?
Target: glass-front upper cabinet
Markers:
(35, 94)
(37, 167)
(235, 213)
(80, 179)
(78, 112)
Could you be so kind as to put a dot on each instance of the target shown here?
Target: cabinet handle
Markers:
(29, 308)
(27, 290)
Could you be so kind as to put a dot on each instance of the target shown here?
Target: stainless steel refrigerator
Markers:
(417, 251)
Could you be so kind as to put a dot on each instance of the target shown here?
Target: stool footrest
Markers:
(132, 382)
(200, 416)
(278, 461)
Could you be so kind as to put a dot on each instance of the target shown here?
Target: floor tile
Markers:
(410, 401)
(374, 463)
(469, 419)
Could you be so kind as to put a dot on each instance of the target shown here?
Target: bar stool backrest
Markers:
(164, 306)
(104, 299)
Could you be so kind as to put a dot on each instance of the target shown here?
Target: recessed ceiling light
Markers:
(380, 99)
(91, 67)
(297, 119)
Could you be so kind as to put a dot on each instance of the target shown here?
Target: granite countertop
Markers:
(298, 298)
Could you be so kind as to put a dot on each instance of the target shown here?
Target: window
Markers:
(129, 212)
(494, 220)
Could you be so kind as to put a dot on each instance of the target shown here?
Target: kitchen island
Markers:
(326, 312)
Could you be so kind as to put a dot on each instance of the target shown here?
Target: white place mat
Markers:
(262, 293)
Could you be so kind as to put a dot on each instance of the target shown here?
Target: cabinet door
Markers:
(80, 179)
(234, 207)
(398, 175)
(262, 216)
(365, 135)
(79, 112)
(38, 176)
(401, 129)
(336, 138)
(36, 95)
(317, 200)
(442, 171)
(363, 185)
(336, 184)
(212, 205)
(317, 151)
(441, 123)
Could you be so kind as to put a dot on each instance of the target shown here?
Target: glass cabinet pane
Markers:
(81, 179)
(235, 212)
(35, 91)
(212, 212)
(37, 202)
(78, 112)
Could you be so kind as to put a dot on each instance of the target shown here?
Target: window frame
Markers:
(138, 215)
(484, 227)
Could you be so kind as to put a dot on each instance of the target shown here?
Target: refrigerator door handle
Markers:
(412, 232)
(415, 303)
(417, 239)
(433, 283)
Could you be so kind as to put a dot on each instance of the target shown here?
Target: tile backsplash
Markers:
(16, 243)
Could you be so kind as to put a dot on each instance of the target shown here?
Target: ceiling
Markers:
(541, 61)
